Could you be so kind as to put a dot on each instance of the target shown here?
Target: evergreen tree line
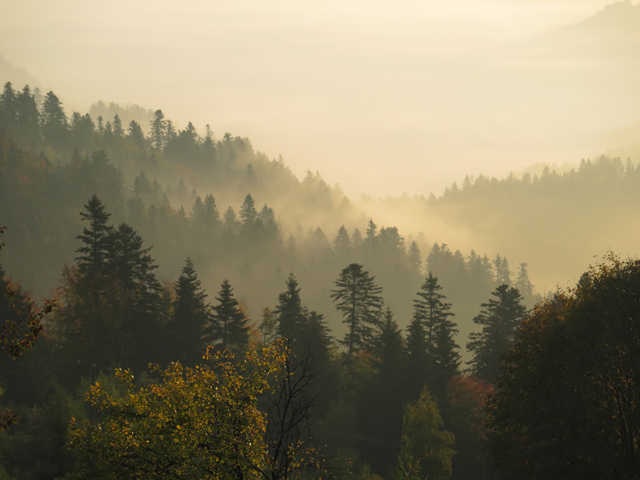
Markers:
(246, 244)
(115, 313)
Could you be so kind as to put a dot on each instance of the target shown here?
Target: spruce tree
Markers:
(503, 274)
(523, 284)
(28, 117)
(158, 128)
(289, 311)
(191, 316)
(230, 325)
(96, 238)
(8, 107)
(135, 134)
(342, 243)
(54, 122)
(357, 297)
(435, 314)
(500, 319)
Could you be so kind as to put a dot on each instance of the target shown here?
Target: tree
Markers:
(440, 331)
(426, 447)
(342, 243)
(54, 122)
(523, 284)
(567, 404)
(191, 315)
(8, 107)
(500, 319)
(118, 131)
(358, 298)
(503, 274)
(28, 117)
(289, 410)
(192, 423)
(289, 311)
(96, 239)
(22, 323)
(229, 326)
(135, 134)
(158, 128)
(415, 261)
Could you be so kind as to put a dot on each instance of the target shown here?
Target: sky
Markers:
(380, 96)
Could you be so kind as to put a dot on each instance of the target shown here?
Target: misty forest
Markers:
(177, 304)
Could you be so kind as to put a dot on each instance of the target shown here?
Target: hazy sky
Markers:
(379, 96)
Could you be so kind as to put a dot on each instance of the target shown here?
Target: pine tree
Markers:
(230, 325)
(358, 298)
(500, 319)
(191, 316)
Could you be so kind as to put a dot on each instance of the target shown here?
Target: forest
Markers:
(209, 315)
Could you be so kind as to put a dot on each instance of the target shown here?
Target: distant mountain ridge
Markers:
(615, 18)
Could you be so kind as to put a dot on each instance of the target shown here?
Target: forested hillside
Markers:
(236, 213)
(295, 333)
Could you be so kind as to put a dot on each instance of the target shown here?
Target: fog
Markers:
(381, 97)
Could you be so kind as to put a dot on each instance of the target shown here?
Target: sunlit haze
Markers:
(381, 97)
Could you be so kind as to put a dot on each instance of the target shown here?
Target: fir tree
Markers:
(289, 311)
(191, 316)
(135, 134)
(96, 239)
(432, 310)
(230, 325)
(500, 319)
(358, 298)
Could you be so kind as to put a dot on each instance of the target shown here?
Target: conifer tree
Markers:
(289, 311)
(28, 117)
(8, 107)
(135, 134)
(248, 213)
(500, 318)
(358, 298)
(503, 274)
(230, 325)
(435, 313)
(415, 261)
(96, 239)
(523, 284)
(419, 361)
(54, 122)
(118, 131)
(342, 243)
(389, 349)
(158, 128)
(191, 316)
